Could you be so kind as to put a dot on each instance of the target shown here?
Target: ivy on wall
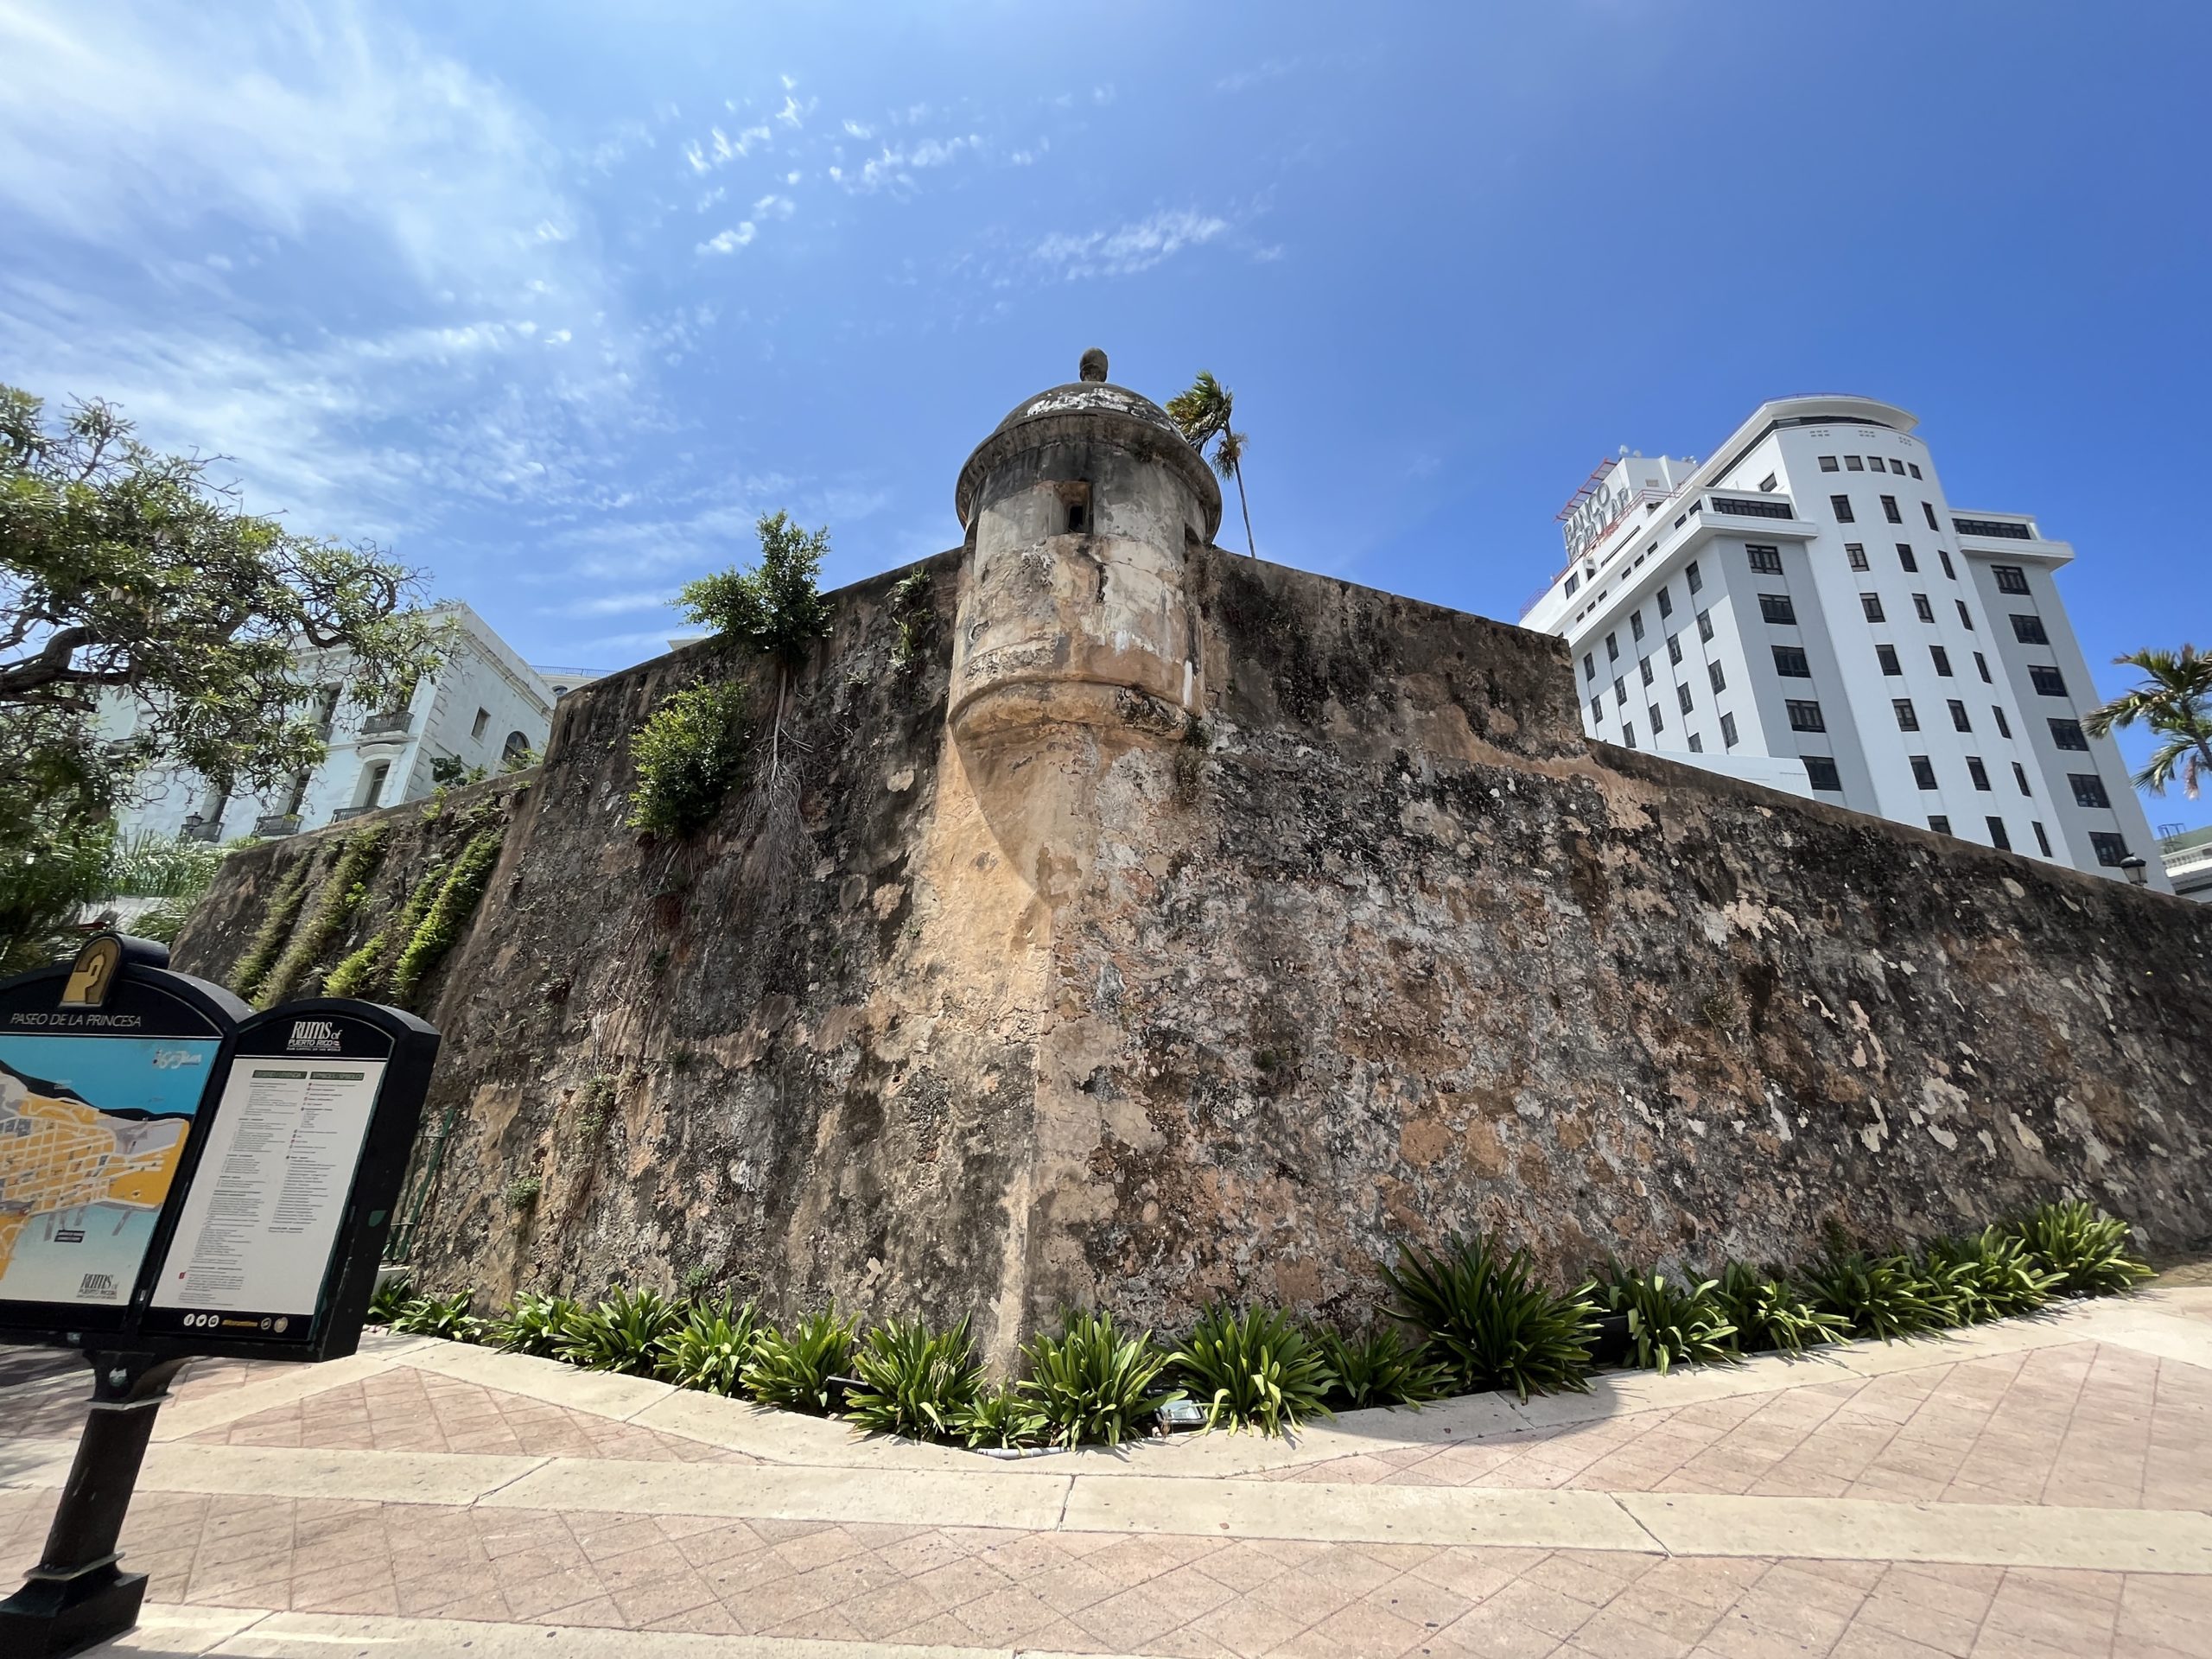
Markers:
(276, 928)
(368, 970)
(342, 893)
(448, 914)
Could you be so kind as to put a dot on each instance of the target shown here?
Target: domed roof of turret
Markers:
(1093, 396)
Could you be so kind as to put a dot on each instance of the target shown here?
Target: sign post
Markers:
(180, 1177)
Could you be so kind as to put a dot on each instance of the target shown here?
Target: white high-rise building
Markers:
(1805, 609)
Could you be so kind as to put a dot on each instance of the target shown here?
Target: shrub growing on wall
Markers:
(342, 892)
(689, 755)
(448, 913)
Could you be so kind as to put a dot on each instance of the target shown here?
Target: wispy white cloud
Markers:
(731, 240)
(1128, 248)
(894, 165)
(774, 206)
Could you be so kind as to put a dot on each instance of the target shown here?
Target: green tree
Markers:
(127, 578)
(2174, 703)
(776, 607)
(1203, 411)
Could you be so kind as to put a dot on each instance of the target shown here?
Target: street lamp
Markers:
(2134, 867)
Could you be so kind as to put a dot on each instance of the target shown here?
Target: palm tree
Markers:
(1202, 413)
(2175, 701)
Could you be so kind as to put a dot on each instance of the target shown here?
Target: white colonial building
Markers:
(483, 705)
(1806, 609)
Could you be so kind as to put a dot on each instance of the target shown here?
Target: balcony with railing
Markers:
(387, 727)
(199, 828)
(277, 823)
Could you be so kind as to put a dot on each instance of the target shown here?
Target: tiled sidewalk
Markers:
(2100, 1419)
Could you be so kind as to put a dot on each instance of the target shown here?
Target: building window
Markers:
(2011, 578)
(1929, 508)
(1856, 554)
(1905, 558)
(1675, 648)
(1766, 487)
(1959, 720)
(1913, 467)
(1589, 666)
(1966, 616)
(1945, 560)
(1620, 692)
(1777, 609)
(1789, 663)
(1705, 626)
(1998, 838)
(1871, 604)
(1612, 647)
(1644, 669)
(1907, 720)
(1889, 510)
(1853, 464)
(1597, 710)
(2043, 837)
(1939, 823)
(1695, 575)
(1941, 658)
(1728, 731)
(1682, 698)
(476, 727)
(2111, 849)
(1820, 771)
(2004, 726)
(1887, 655)
(2027, 628)
(1979, 773)
(1923, 771)
(1628, 733)
(1720, 680)
(1658, 725)
(1921, 608)
(2047, 680)
(2067, 734)
(1574, 581)
(2020, 776)
(1981, 667)
(1767, 561)
(2089, 789)
(1841, 503)
(1805, 715)
(1666, 603)
(1697, 743)
(1828, 463)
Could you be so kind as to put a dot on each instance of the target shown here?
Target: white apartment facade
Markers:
(483, 704)
(1806, 600)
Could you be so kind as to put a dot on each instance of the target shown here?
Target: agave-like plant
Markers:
(1769, 1311)
(1092, 1384)
(1491, 1319)
(534, 1325)
(1253, 1369)
(1987, 1275)
(389, 1299)
(1669, 1321)
(1380, 1367)
(622, 1334)
(799, 1370)
(915, 1382)
(709, 1349)
(1882, 1296)
(1000, 1419)
(441, 1316)
(2086, 1247)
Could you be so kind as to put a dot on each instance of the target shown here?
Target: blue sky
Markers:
(555, 302)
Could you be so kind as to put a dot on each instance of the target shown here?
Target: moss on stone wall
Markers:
(340, 894)
(448, 914)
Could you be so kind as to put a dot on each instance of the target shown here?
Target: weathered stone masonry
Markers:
(1173, 926)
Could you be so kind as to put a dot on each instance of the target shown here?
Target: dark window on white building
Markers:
(2027, 628)
(1923, 771)
(1959, 720)
(1889, 510)
(1841, 503)
(1777, 609)
(2089, 789)
(1728, 731)
(1908, 720)
(1941, 658)
(1805, 715)
(1856, 554)
(1906, 559)
(2110, 848)
(1921, 608)
(2011, 578)
(1789, 663)
(1887, 655)
(1720, 680)
(2047, 680)
(2068, 734)
(1871, 604)
(1998, 838)
(1767, 561)
(1979, 773)
(2043, 837)
(1820, 771)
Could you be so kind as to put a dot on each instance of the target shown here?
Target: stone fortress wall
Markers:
(1170, 925)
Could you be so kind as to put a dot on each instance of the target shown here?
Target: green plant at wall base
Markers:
(1380, 1367)
(1882, 1296)
(1986, 1275)
(1000, 1419)
(1093, 1385)
(441, 928)
(389, 1300)
(276, 927)
(1253, 1369)
(340, 897)
(535, 1325)
(711, 1348)
(363, 973)
(1669, 1321)
(795, 1368)
(2086, 1247)
(1769, 1312)
(689, 754)
(623, 1333)
(915, 1382)
(1489, 1318)
(441, 1316)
